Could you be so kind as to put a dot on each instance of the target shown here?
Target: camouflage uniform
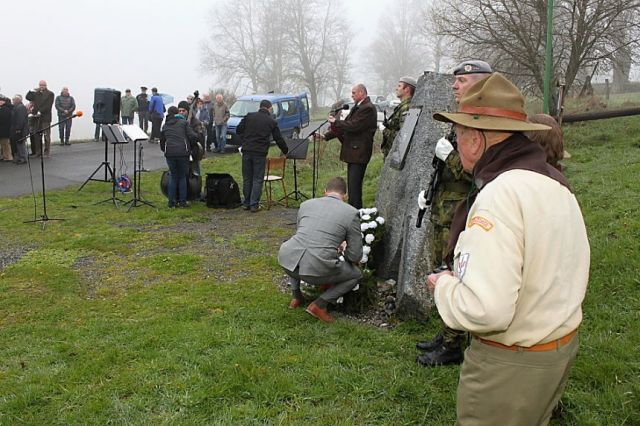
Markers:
(454, 187)
(393, 125)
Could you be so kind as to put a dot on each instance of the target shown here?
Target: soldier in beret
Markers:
(447, 346)
(404, 91)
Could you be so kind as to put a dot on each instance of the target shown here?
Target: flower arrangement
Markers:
(364, 294)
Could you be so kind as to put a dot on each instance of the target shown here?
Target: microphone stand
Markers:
(45, 217)
(314, 176)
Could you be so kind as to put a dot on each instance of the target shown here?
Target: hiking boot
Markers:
(433, 343)
(442, 355)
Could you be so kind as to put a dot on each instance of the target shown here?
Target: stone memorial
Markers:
(407, 171)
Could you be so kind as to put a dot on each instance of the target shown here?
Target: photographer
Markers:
(175, 139)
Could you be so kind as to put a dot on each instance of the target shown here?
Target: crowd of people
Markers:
(510, 252)
(33, 121)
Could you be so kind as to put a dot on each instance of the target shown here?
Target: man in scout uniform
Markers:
(520, 267)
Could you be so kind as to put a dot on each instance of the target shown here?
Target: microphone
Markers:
(77, 114)
(338, 109)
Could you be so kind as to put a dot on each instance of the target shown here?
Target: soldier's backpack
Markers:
(222, 191)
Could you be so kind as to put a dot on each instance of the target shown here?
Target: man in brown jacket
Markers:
(355, 133)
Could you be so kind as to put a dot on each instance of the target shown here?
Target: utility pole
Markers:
(548, 62)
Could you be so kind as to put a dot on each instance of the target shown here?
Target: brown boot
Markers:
(319, 313)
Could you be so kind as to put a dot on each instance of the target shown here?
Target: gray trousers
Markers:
(342, 282)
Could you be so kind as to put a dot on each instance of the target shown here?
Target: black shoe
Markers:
(429, 345)
(183, 204)
(442, 355)
(254, 209)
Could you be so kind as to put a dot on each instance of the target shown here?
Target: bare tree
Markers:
(510, 34)
(313, 29)
(399, 47)
(234, 50)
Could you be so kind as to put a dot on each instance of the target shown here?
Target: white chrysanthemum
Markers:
(364, 226)
(366, 249)
(373, 224)
(341, 258)
(369, 238)
(380, 220)
(340, 299)
(364, 259)
(366, 217)
(373, 210)
(362, 212)
(356, 288)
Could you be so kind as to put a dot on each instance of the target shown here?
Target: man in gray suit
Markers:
(328, 229)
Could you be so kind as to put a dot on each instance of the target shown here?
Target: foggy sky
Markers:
(84, 44)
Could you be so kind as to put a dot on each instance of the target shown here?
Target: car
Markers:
(379, 115)
(290, 111)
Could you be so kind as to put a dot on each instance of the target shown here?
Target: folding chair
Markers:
(277, 165)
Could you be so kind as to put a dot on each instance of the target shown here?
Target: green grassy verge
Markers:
(162, 316)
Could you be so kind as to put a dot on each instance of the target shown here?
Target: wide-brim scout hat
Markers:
(493, 103)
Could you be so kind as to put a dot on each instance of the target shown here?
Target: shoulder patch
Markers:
(461, 265)
(480, 221)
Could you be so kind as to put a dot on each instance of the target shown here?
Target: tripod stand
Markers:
(316, 149)
(44, 218)
(137, 170)
(107, 166)
(298, 149)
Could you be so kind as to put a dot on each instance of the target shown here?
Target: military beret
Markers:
(183, 105)
(143, 88)
(472, 67)
(408, 80)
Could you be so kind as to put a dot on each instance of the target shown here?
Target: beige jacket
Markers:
(521, 265)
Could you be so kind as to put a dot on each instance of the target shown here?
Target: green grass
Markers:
(162, 316)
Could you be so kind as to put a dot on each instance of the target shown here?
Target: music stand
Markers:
(105, 164)
(114, 136)
(298, 149)
(136, 134)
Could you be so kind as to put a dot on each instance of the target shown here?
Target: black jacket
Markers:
(5, 121)
(19, 122)
(256, 130)
(176, 137)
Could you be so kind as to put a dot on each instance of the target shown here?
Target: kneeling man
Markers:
(326, 248)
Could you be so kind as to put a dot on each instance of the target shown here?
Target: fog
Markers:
(124, 44)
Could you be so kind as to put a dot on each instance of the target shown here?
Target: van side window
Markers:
(289, 108)
(276, 109)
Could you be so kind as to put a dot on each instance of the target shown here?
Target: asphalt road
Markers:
(72, 165)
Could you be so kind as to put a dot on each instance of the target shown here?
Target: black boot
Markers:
(429, 345)
(442, 355)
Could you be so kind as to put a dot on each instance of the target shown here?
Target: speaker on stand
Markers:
(106, 110)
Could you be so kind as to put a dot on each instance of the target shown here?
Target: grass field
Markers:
(162, 316)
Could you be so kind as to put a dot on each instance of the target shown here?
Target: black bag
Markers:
(222, 191)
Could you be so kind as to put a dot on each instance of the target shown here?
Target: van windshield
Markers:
(242, 108)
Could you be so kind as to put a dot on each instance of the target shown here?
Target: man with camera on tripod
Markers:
(42, 99)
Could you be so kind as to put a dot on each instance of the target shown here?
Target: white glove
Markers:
(443, 149)
(240, 150)
(422, 201)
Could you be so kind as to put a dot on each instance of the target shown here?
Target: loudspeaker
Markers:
(106, 106)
